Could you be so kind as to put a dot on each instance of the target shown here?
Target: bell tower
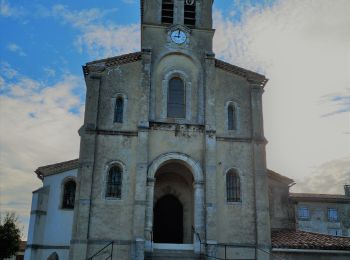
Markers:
(190, 19)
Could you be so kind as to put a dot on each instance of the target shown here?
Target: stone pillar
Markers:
(210, 150)
(198, 215)
(149, 212)
(263, 229)
(81, 220)
(140, 199)
(139, 249)
(212, 249)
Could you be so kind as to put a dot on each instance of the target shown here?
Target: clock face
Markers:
(178, 36)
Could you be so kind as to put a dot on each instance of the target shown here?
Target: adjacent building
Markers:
(323, 213)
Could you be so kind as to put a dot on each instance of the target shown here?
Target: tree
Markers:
(10, 236)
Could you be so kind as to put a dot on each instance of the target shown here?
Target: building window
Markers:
(167, 11)
(233, 187)
(334, 231)
(114, 182)
(231, 117)
(118, 110)
(68, 195)
(303, 213)
(176, 98)
(332, 214)
(190, 13)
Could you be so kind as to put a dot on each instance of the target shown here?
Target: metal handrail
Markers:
(98, 252)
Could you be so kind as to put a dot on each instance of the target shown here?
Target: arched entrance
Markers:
(178, 175)
(173, 204)
(168, 220)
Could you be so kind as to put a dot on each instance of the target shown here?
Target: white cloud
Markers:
(304, 49)
(50, 72)
(100, 39)
(7, 71)
(13, 47)
(37, 129)
(328, 178)
(7, 10)
(129, 1)
(111, 40)
(2, 82)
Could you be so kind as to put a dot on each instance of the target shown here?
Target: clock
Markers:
(178, 36)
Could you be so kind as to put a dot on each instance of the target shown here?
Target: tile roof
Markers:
(314, 197)
(296, 239)
(113, 61)
(279, 177)
(51, 169)
(251, 76)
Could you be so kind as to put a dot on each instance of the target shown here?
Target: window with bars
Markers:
(176, 98)
(167, 11)
(231, 117)
(233, 188)
(303, 213)
(118, 110)
(68, 195)
(332, 214)
(190, 13)
(114, 182)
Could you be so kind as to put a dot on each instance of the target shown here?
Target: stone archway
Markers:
(195, 171)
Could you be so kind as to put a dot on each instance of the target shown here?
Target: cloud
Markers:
(129, 1)
(37, 128)
(7, 71)
(98, 37)
(328, 178)
(303, 47)
(340, 103)
(13, 47)
(50, 72)
(106, 41)
(7, 10)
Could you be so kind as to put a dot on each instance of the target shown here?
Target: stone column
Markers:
(210, 150)
(198, 214)
(263, 229)
(140, 199)
(81, 219)
(149, 212)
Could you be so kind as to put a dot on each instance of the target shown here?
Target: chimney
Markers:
(347, 190)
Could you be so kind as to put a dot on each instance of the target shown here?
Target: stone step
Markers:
(172, 254)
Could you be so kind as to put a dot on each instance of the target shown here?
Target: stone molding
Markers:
(180, 157)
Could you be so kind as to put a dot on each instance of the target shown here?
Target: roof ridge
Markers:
(119, 57)
(251, 76)
(51, 169)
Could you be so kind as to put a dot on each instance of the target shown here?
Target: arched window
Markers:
(167, 11)
(118, 110)
(68, 195)
(114, 182)
(176, 98)
(233, 189)
(231, 117)
(190, 13)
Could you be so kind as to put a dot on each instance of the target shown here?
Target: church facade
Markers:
(172, 146)
(172, 153)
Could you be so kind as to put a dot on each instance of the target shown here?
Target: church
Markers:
(172, 158)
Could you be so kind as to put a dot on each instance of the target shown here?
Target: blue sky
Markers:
(38, 38)
(303, 47)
